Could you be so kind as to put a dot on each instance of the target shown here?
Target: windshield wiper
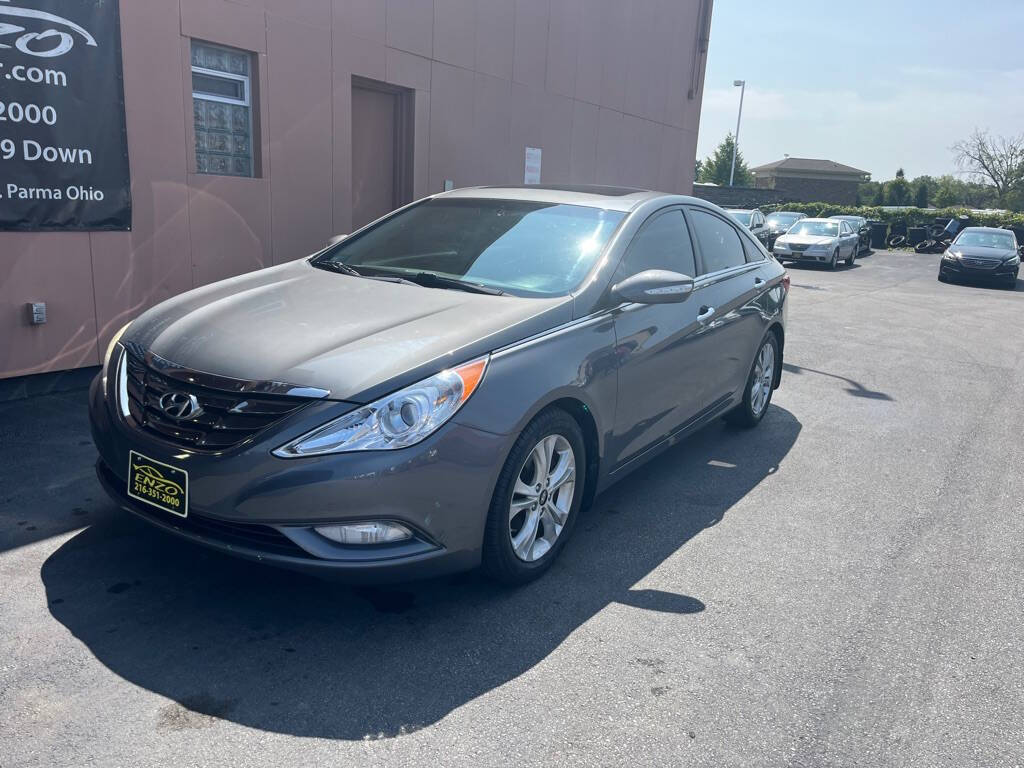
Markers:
(337, 266)
(434, 280)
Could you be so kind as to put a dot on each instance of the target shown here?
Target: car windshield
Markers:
(782, 219)
(526, 248)
(743, 217)
(1003, 241)
(819, 228)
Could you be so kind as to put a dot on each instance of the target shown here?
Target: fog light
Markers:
(364, 533)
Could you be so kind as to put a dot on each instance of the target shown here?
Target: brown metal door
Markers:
(374, 141)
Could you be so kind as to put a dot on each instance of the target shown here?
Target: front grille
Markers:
(980, 263)
(799, 246)
(228, 418)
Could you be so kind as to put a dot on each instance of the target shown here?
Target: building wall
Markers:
(742, 197)
(600, 85)
(810, 190)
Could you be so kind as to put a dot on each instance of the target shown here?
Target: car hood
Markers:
(980, 252)
(807, 239)
(355, 337)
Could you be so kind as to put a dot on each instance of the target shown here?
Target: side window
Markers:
(662, 243)
(720, 243)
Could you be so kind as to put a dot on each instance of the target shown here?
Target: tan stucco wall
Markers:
(600, 85)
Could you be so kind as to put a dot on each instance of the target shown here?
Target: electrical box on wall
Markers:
(37, 312)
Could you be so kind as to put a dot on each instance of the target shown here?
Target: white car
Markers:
(824, 241)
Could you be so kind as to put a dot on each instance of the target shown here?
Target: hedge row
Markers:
(913, 217)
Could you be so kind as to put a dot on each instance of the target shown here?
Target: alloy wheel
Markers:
(764, 373)
(542, 498)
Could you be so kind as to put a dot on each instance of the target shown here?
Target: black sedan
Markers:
(861, 227)
(982, 253)
(778, 223)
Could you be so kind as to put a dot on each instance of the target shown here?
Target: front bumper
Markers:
(1002, 273)
(248, 503)
(814, 257)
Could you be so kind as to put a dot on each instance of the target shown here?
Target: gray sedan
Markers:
(446, 387)
(822, 241)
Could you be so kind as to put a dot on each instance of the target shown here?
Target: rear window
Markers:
(525, 248)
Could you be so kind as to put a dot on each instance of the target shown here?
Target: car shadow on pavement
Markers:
(855, 388)
(281, 652)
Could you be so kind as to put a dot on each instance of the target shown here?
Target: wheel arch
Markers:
(780, 337)
(584, 417)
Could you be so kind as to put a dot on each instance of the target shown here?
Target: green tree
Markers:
(715, 169)
(946, 193)
(879, 198)
(921, 195)
(897, 191)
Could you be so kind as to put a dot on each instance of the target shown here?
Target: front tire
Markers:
(835, 259)
(853, 255)
(757, 393)
(536, 500)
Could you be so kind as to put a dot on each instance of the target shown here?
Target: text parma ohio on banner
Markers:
(63, 150)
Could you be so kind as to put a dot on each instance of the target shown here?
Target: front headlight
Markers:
(110, 351)
(396, 421)
(949, 256)
(1012, 261)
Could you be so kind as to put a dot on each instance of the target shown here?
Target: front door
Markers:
(657, 344)
(381, 150)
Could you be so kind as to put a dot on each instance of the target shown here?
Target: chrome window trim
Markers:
(177, 371)
(711, 278)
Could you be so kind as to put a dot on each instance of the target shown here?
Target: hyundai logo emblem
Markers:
(180, 406)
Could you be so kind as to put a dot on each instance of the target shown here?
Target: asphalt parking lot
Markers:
(842, 586)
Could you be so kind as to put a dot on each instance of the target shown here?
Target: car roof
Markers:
(989, 230)
(810, 219)
(787, 213)
(845, 217)
(593, 195)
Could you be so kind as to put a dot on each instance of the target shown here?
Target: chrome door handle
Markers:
(705, 314)
(758, 281)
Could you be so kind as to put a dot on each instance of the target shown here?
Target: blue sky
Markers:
(875, 85)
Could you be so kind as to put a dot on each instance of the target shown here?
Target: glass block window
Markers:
(222, 107)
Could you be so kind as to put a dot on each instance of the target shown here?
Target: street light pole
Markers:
(736, 137)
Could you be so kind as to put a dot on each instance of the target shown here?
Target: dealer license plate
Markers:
(157, 484)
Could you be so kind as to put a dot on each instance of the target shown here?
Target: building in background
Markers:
(812, 181)
(254, 131)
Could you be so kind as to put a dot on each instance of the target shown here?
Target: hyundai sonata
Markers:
(982, 253)
(818, 240)
(446, 387)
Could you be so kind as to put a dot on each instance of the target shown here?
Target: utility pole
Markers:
(742, 84)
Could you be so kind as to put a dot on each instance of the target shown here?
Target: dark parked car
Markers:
(778, 223)
(861, 226)
(982, 253)
(446, 387)
(754, 220)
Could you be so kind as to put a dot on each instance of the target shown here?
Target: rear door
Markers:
(731, 280)
(656, 344)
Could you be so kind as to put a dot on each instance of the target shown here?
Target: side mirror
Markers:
(1021, 250)
(654, 286)
(335, 240)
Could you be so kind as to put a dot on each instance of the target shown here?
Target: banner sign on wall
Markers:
(63, 149)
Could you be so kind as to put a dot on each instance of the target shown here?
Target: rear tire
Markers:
(756, 400)
(517, 505)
